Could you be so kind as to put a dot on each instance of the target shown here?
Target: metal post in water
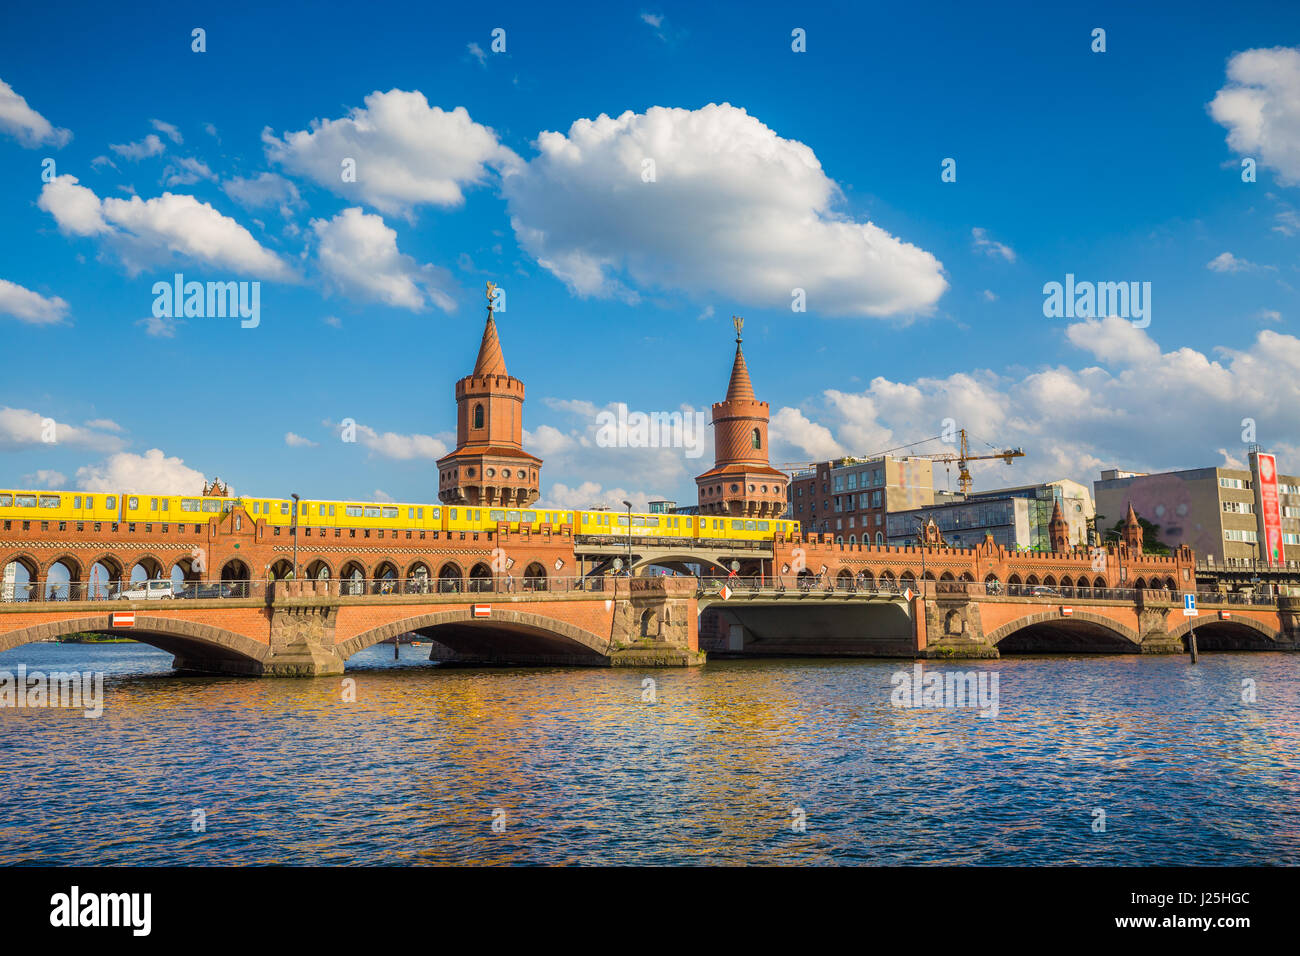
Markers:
(1191, 643)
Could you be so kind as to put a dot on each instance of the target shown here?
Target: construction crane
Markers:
(963, 455)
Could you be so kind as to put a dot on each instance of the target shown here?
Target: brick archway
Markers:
(1054, 617)
(174, 635)
(1267, 633)
(588, 643)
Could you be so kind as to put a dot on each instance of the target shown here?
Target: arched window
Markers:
(478, 416)
(758, 439)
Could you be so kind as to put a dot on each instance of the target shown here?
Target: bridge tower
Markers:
(741, 483)
(1132, 530)
(1058, 530)
(489, 465)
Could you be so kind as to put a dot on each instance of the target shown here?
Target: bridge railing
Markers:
(128, 591)
(498, 584)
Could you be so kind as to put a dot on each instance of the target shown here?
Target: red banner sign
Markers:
(482, 610)
(122, 619)
(1270, 508)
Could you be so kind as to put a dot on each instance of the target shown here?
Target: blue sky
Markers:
(1112, 166)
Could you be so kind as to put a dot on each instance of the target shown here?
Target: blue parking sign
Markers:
(1189, 605)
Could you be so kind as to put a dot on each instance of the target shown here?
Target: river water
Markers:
(1095, 760)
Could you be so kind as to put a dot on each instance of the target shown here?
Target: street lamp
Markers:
(294, 532)
(629, 537)
(920, 536)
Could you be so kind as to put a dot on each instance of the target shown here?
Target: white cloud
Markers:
(358, 255)
(104, 424)
(1269, 315)
(160, 328)
(791, 435)
(151, 145)
(1260, 106)
(589, 494)
(24, 428)
(45, 478)
(146, 232)
(24, 124)
(477, 53)
(151, 473)
(297, 441)
(31, 307)
(381, 495)
(989, 296)
(168, 130)
(265, 189)
(1148, 409)
(1227, 262)
(394, 445)
(991, 247)
(407, 153)
(734, 210)
(186, 171)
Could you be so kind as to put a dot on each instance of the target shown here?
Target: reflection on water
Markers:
(287, 772)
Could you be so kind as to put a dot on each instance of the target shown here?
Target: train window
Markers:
(167, 504)
(390, 512)
(453, 513)
(331, 511)
(352, 511)
(512, 516)
(90, 501)
(762, 526)
(6, 501)
(419, 514)
(437, 513)
(257, 507)
(25, 501)
(76, 501)
(530, 516)
(110, 502)
(737, 525)
(132, 504)
(478, 514)
(371, 511)
(212, 507)
(284, 507)
(153, 504)
(496, 516)
(187, 504)
(49, 501)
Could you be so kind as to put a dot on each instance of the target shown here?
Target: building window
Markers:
(478, 416)
(757, 439)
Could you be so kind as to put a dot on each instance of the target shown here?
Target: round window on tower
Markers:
(470, 472)
(735, 487)
(751, 487)
(505, 472)
(490, 472)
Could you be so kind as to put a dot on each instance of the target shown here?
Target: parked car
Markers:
(157, 590)
(1042, 590)
(213, 590)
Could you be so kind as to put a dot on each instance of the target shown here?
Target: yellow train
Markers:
(65, 506)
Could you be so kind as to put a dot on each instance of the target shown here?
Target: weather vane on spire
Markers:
(491, 295)
(739, 323)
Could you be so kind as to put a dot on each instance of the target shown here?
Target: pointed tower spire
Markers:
(491, 361)
(741, 483)
(1132, 530)
(489, 465)
(1058, 530)
(740, 386)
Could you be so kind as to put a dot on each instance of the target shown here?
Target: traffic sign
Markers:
(122, 619)
(1189, 605)
(482, 610)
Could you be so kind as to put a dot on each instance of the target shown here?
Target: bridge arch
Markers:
(1083, 631)
(678, 561)
(1237, 633)
(525, 632)
(192, 643)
